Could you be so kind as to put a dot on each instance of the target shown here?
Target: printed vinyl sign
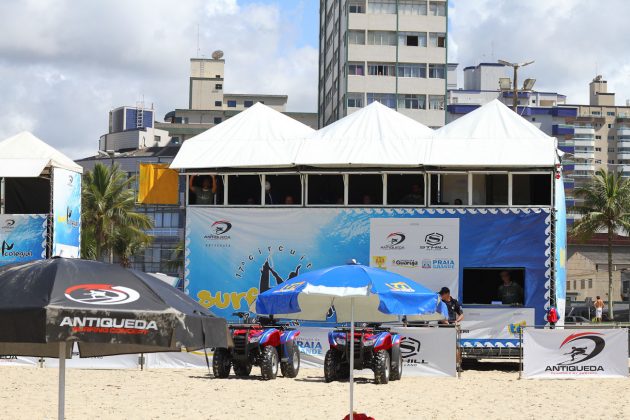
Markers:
(424, 250)
(502, 324)
(575, 353)
(22, 238)
(66, 213)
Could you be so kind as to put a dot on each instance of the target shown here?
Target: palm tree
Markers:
(108, 214)
(129, 242)
(606, 208)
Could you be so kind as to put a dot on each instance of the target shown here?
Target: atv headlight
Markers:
(369, 341)
(255, 338)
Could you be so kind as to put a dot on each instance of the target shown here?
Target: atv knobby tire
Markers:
(268, 363)
(332, 366)
(291, 367)
(242, 368)
(381, 367)
(397, 368)
(221, 363)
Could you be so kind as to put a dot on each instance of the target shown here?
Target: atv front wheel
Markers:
(221, 363)
(268, 363)
(242, 368)
(397, 368)
(381, 367)
(332, 365)
(291, 367)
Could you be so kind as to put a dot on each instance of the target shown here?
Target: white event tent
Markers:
(373, 136)
(26, 156)
(491, 136)
(255, 138)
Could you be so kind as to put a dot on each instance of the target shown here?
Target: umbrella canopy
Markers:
(105, 308)
(377, 295)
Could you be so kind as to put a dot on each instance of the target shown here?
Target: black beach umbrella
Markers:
(105, 308)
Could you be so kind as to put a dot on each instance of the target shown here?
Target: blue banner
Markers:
(233, 254)
(22, 238)
(560, 249)
(66, 213)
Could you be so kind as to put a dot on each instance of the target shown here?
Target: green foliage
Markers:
(110, 224)
(606, 209)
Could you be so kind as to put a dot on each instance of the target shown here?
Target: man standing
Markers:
(455, 312)
(509, 292)
(599, 309)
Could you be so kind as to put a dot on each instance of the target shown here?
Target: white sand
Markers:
(31, 393)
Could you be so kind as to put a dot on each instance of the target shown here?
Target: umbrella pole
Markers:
(351, 358)
(62, 380)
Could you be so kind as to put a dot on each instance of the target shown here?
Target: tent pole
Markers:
(62, 379)
(351, 357)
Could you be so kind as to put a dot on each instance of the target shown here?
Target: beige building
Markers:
(601, 134)
(391, 51)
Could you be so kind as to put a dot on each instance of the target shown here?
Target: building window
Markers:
(611, 150)
(218, 86)
(610, 114)
(405, 189)
(283, 190)
(611, 161)
(356, 37)
(598, 149)
(231, 104)
(355, 100)
(387, 99)
(568, 284)
(490, 189)
(609, 125)
(596, 113)
(247, 104)
(412, 7)
(412, 101)
(412, 70)
(611, 138)
(365, 190)
(412, 39)
(436, 102)
(437, 8)
(325, 190)
(356, 69)
(218, 103)
(381, 38)
(590, 283)
(381, 69)
(437, 71)
(582, 283)
(598, 137)
(532, 189)
(449, 189)
(244, 189)
(217, 120)
(356, 7)
(382, 7)
(437, 39)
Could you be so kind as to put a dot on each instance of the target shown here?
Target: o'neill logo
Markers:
(101, 294)
(218, 231)
(433, 241)
(108, 325)
(394, 241)
(583, 346)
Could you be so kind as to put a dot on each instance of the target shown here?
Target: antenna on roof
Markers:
(197, 40)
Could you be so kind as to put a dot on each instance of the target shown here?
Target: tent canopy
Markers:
(26, 156)
(491, 136)
(257, 137)
(373, 136)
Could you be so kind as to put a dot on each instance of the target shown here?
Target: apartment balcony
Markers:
(562, 130)
(623, 156)
(583, 142)
(623, 143)
(587, 155)
(623, 131)
(566, 142)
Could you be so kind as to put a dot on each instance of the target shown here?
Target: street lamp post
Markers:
(515, 66)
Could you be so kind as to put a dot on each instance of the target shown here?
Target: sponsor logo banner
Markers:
(575, 353)
(101, 294)
(22, 238)
(494, 327)
(66, 213)
(425, 351)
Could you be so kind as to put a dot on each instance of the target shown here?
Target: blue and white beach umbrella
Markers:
(377, 296)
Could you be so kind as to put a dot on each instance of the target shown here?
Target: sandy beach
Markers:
(31, 393)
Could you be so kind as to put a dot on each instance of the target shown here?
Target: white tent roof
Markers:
(257, 137)
(26, 156)
(372, 136)
(492, 135)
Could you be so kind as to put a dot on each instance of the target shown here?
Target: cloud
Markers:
(64, 65)
(571, 41)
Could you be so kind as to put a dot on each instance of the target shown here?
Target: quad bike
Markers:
(375, 348)
(258, 342)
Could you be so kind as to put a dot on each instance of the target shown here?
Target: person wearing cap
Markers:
(455, 312)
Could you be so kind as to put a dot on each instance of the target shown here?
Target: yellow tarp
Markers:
(158, 184)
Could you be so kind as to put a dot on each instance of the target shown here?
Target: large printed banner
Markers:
(233, 254)
(494, 327)
(425, 351)
(66, 213)
(22, 238)
(413, 247)
(575, 353)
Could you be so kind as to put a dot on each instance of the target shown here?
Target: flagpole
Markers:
(351, 357)
(62, 380)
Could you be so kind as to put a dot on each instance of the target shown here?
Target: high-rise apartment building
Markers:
(391, 51)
